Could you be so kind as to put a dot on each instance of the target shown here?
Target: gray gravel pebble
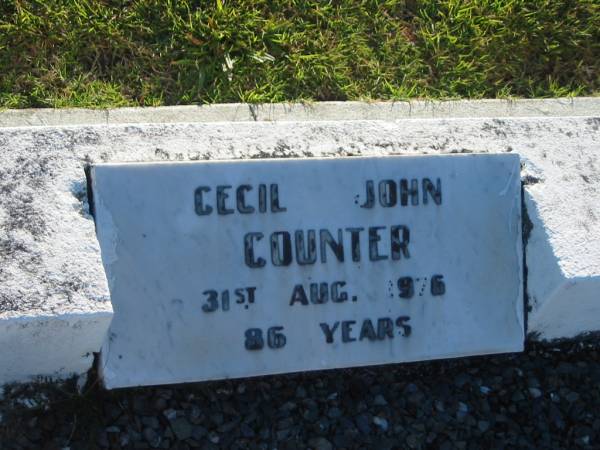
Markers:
(151, 437)
(381, 422)
(535, 392)
(182, 428)
(320, 443)
(380, 400)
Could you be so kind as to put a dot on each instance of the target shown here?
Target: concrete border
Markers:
(559, 167)
(56, 346)
(298, 112)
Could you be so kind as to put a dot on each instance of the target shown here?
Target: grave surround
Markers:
(54, 302)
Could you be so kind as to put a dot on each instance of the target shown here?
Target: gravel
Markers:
(547, 397)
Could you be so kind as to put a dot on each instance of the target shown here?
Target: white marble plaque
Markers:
(239, 268)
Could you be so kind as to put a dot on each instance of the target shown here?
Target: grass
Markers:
(91, 53)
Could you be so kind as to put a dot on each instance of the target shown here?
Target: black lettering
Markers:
(369, 195)
(435, 192)
(367, 331)
(262, 198)
(221, 197)
(401, 323)
(239, 293)
(405, 192)
(336, 295)
(299, 295)
(329, 331)
(319, 293)
(346, 330)
(388, 195)
(400, 244)
(385, 327)
(275, 199)
(275, 338)
(374, 238)
(254, 339)
(225, 300)
(281, 255)
(438, 287)
(355, 242)
(199, 206)
(406, 286)
(251, 291)
(336, 247)
(249, 257)
(240, 194)
(212, 301)
(306, 252)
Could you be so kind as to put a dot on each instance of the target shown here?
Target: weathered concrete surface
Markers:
(50, 270)
(295, 112)
(56, 346)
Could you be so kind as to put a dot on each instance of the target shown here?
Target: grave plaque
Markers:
(240, 268)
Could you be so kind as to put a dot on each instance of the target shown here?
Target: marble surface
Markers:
(212, 274)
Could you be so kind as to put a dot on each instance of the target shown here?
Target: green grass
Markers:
(114, 53)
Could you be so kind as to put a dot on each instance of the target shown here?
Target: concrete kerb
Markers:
(324, 111)
(44, 152)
